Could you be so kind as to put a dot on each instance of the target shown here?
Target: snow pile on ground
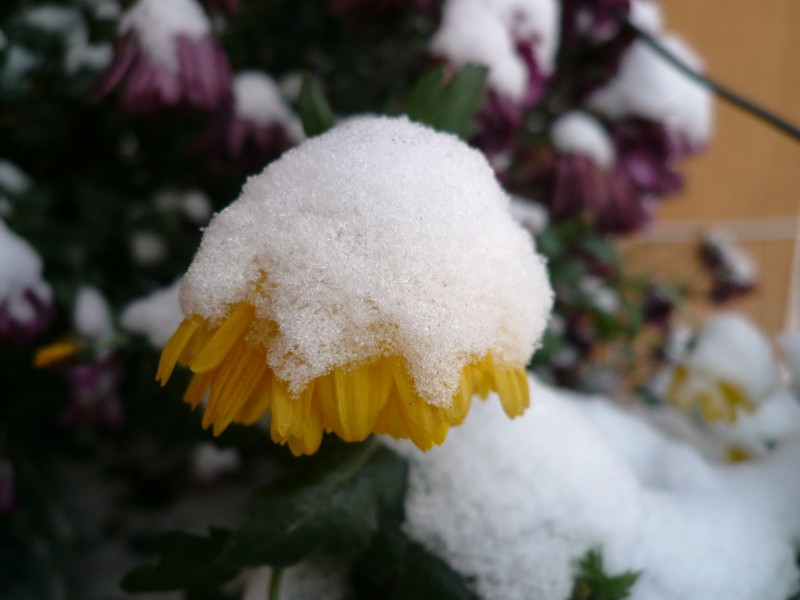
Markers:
(516, 504)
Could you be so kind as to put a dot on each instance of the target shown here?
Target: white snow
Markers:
(209, 463)
(92, 315)
(579, 133)
(158, 23)
(646, 14)
(515, 504)
(472, 32)
(13, 179)
(258, 98)
(379, 237)
(649, 87)
(738, 263)
(20, 271)
(147, 248)
(157, 315)
(533, 216)
(789, 343)
(196, 207)
(534, 21)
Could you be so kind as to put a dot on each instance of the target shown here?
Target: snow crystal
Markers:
(579, 133)
(20, 272)
(13, 179)
(92, 315)
(158, 23)
(147, 248)
(732, 349)
(380, 237)
(647, 86)
(156, 316)
(514, 505)
(258, 98)
(472, 32)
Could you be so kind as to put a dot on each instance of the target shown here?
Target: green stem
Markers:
(275, 584)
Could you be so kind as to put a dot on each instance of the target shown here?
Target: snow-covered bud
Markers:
(166, 57)
(25, 298)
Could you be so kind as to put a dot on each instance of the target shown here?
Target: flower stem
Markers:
(275, 584)
(720, 90)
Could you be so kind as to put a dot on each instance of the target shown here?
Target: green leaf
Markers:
(333, 503)
(594, 584)
(398, 568)
(186, 562)
(315, 112)
(449, 106)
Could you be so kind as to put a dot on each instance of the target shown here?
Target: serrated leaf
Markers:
(334, 503)
(314, 110)
(185, 562)
(594, 584)
(398, 568)
(449, 106)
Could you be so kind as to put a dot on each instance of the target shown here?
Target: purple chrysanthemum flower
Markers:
(517, 41)
(93, 393)
(646, 152)
(590, 20)
(258, 128)
(25, 298)
(166, 57)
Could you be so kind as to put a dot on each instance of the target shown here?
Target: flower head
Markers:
(731, 367)
(732, 270)
(260, 125)
(371, 279)
(166, 57)
(25, 298)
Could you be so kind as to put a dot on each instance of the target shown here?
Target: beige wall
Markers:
(750, 173)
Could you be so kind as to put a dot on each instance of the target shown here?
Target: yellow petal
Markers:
(172, 350)
(49, 355)
(224, 339)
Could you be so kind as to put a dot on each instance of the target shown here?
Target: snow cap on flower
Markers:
(579, 133)
(731, 366)
(155, 316)
(491, 33)
(733, 271)
(648, 87)
(25, 298)
(383, 252)
(166, 56)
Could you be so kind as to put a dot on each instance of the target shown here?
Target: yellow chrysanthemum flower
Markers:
(371, 280)
(730, 369)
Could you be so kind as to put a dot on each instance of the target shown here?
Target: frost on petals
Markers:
(165, 56)
(25, 298)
